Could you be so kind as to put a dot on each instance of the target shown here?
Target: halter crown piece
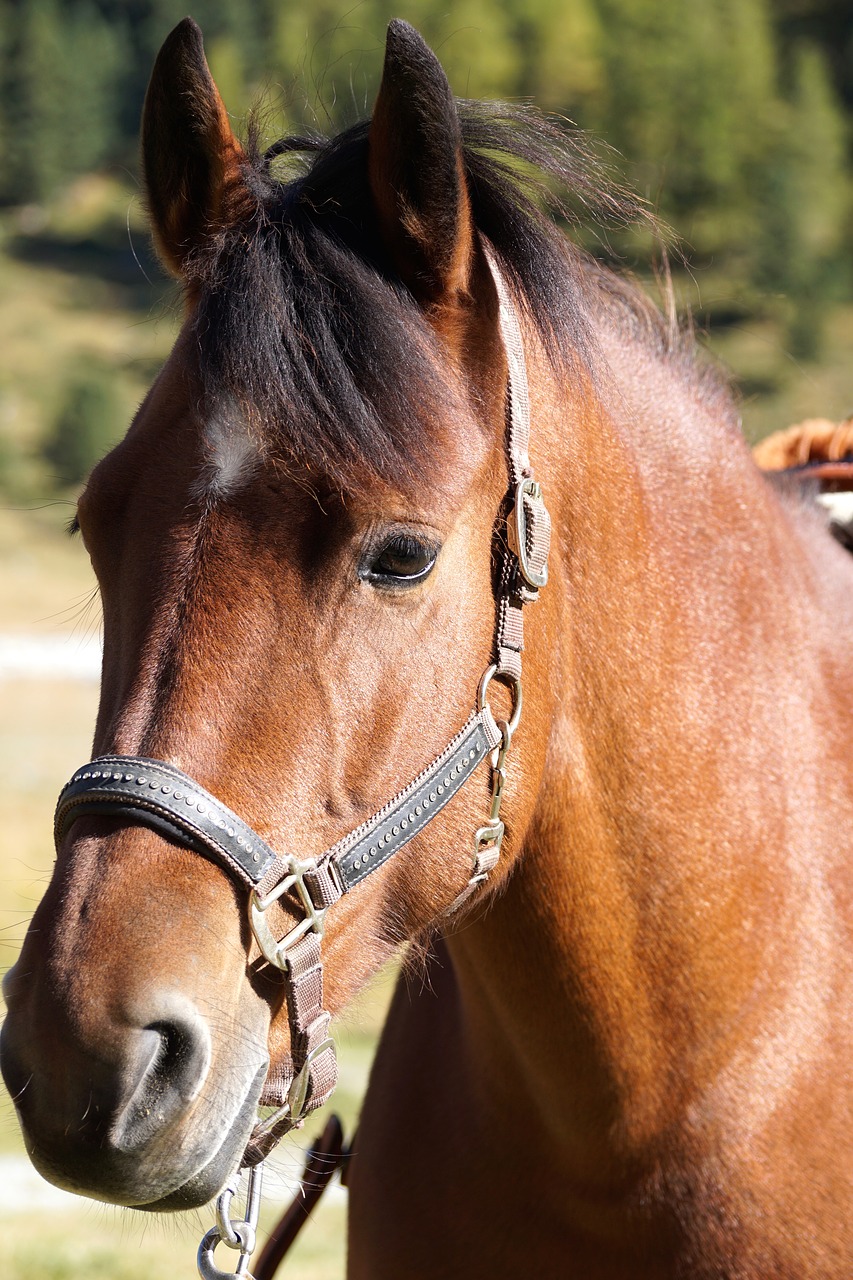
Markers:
(157, 795)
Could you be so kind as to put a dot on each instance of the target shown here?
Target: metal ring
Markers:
(207, 1268)
(512, 682)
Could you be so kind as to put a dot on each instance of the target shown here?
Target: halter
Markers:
(155, 794)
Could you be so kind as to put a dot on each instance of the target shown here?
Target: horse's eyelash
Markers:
(73, 527)
(404, 544)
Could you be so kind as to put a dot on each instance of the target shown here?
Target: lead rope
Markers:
(157, 794)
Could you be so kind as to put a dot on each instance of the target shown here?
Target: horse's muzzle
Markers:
(144, 1122)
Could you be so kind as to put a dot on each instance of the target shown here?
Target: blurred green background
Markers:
(733, 117)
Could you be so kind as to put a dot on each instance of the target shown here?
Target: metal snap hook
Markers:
(235, 1235)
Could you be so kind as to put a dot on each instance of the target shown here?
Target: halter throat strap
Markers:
(155, 794)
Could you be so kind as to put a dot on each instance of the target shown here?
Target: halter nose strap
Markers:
(156, 794)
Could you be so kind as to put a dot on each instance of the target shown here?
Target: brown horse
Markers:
(628, 1054)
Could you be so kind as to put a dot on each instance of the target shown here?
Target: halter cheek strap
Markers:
(158, 795)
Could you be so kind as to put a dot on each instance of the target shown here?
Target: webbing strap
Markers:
(310, 1079)
(524, 557)
(518, 391)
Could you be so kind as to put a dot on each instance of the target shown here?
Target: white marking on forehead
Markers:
(231, 454)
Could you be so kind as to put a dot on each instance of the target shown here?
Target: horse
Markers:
(621, 1047)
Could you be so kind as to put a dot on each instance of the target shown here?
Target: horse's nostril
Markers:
(183, 1054)
(173, 1062)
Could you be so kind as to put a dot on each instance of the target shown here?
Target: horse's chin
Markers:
(153, 1182)
(209, 1180)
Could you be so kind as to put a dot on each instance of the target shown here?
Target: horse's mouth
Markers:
(146, 1179)
(208, 1181)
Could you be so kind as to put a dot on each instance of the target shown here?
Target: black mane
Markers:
(303, 323)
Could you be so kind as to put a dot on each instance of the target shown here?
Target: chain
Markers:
(240, 1235)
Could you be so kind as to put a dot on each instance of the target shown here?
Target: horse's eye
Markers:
(402, 561)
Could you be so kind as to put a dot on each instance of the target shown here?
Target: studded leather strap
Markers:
(160, 796)
(366, 848)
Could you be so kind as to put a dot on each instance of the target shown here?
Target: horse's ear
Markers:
(191, 160)
(416, 171)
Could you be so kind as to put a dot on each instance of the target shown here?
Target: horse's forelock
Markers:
(304, 326)
(324, 362)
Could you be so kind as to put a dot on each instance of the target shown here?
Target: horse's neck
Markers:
(647, 993)
(625, 967)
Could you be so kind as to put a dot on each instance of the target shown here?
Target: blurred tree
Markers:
(60, 77)
(88, 423)
(5, 39)
(35, 109)
(807, 204)
(325, 58)
(479, 45)
(704, 98)
(640, 108)
(690, 91)
(563, 66)
(733, 104)
(94, 55)
(827, 24)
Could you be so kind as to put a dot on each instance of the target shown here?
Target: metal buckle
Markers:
(487, 850)
(275, 950)
(293, 1107)
(517, 532)
(297, 1094)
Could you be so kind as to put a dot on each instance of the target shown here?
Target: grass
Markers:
(78, 287)
(45, 726)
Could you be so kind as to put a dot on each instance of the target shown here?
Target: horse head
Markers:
(295, 547)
